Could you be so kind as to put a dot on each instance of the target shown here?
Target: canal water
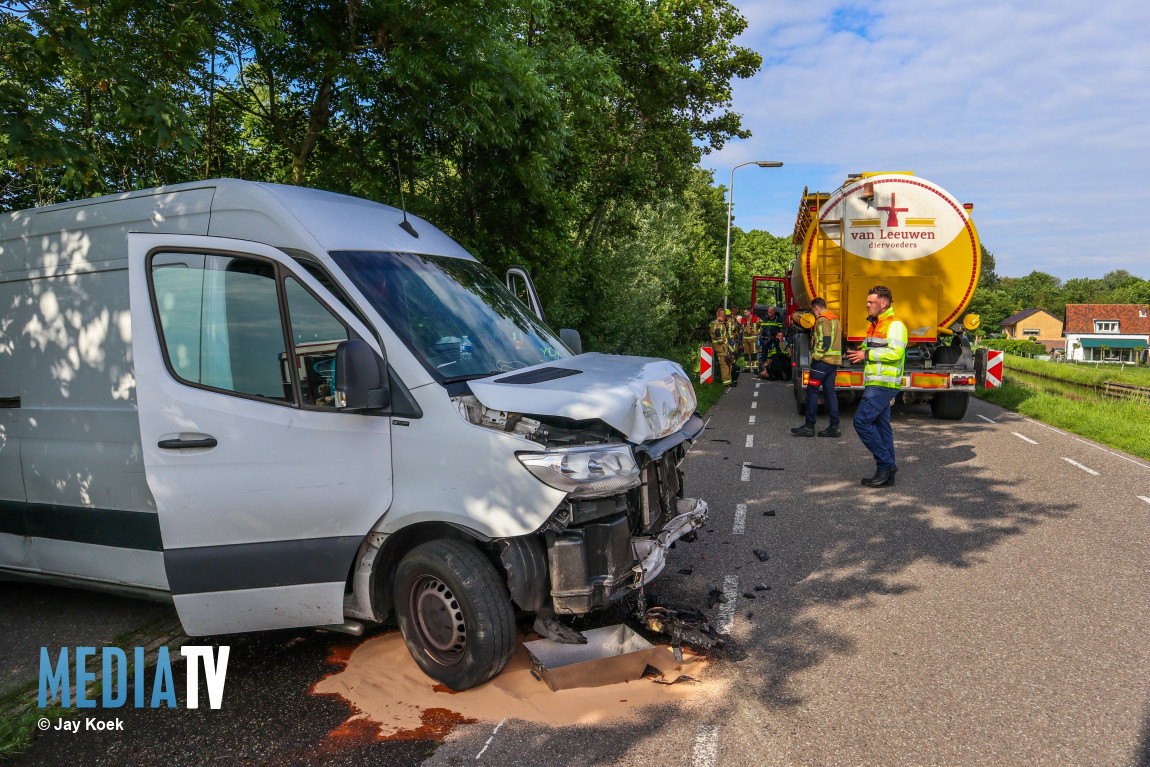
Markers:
(1066, 389)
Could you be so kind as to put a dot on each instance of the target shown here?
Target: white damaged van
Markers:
(281, 407)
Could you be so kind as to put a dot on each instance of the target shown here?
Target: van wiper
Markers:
(471, 376)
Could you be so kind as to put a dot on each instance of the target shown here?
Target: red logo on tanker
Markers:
(892, 212)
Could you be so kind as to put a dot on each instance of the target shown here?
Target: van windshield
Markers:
(453, 314)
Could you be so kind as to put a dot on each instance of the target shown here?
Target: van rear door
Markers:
(264, 489)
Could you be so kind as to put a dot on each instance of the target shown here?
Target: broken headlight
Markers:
(585, 471)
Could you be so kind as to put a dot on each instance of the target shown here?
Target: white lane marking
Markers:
(746, 473)
(757, 384)
(488, 743)
(755, 393)
(1144, 498)
(1024, 438)
(1087, 442)
(754, 405)
(750, 440)
(727, 611)
(740, 519)
(1086, 469)
(751, 419)
(706, 746)
(985, 418)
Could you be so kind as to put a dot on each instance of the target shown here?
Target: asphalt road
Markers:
(992, 608)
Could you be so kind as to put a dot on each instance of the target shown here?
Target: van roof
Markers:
(275, 214)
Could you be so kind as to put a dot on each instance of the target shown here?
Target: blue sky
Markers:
(1036, 112)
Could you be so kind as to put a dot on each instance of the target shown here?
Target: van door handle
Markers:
(176, 444)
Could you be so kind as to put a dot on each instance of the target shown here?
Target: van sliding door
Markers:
(264, 490)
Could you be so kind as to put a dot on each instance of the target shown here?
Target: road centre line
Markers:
(740, 519)
(750, 440)
(706, 746)
(751, 420)
(1024, 438)
(1086, 469)
(985, 418)
(488, 743)
(754, 405)
(755, 393)
(727, 610)
(1144, 498)
(746, 473)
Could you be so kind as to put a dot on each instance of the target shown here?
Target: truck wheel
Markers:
(800, 391)
(454, 613)
(950, 406)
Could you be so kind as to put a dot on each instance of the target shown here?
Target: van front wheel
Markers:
(454, 613)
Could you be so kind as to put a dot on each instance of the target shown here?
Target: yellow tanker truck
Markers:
(898, 230)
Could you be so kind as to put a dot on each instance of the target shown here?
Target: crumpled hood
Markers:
(643, 397)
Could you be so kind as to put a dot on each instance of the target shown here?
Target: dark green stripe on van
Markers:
(102, 527)
(260, 565)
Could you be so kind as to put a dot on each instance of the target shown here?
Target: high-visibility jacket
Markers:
(721, 337)
(751, 328)
(885, 351)
(770, 327)
(827, 339)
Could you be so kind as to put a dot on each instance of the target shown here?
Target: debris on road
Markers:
(612, 654)
(722, 440)
(686, 571)
(683, 624)
(714, 597)
(676, 680)
(762, 555)
(750, 615)
(764, 468)
(770, 513)
(748, 595)
(762, 588)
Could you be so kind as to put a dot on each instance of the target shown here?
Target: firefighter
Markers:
(884, 353)
(721, 344)
(826, 356)
(750, 337)
(769, 331)
(735, 322)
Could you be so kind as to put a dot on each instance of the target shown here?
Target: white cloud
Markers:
(1038, 112)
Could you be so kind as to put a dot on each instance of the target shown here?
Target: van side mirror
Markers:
(360, 377)
(571, 340)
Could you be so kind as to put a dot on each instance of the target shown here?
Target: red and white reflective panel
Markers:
(994, 368)
(706, 369)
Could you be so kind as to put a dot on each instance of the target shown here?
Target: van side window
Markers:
(315, 333)
(220, 321)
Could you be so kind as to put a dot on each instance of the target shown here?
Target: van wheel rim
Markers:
(439, 619)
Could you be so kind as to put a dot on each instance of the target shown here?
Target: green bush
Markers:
(1019, 346)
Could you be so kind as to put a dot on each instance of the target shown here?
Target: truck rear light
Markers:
(962, 380)
(930, 381)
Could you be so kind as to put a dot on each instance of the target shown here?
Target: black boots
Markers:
(831, 431)
(806, 430)
(880, 479)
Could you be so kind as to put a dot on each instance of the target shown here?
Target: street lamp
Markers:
(730, 208)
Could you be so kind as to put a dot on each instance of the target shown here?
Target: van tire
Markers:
(475, 644)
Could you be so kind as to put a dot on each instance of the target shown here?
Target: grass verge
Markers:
(1121, 424)
(1082, 374)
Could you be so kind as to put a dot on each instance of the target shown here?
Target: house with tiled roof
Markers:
(1038, 325)
(1107, 332)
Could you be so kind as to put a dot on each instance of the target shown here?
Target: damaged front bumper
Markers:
(602, 549)
(652, 552)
